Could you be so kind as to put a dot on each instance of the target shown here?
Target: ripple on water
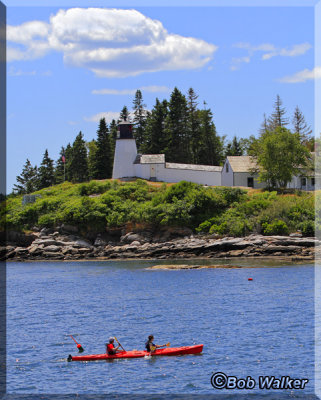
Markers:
(245, 329)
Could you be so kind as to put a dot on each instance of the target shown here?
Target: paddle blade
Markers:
(81, 349)
(168, 344)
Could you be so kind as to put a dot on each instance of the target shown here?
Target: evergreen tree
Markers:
(234, 148)
(139, 118)
(300, 126)
(154, 138)
(78, 167)
(27, 181)
(193, 124)
(60, 167)
(68, 156)
(124, 115)
(46, 175)
(92, 151)
(177, 143)
(211, 148)
(113, 136)
(103, 160)
(277, 119)
(264, 125)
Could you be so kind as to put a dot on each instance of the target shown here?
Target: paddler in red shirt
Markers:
(110, 348)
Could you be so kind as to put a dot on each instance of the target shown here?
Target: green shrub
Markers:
(277, 227)
(307, 228)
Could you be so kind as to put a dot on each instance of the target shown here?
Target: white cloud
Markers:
(32, 38)
(294, 51)
(109, 42)
(269, 51)
(108, 115)
(18, 72)
(152, 89)
(303, 76)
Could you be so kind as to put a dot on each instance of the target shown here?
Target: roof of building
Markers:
(150, 159)
(195, 167)
(242, 163)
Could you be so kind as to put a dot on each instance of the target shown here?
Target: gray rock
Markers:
(52, 248)
(82, 243)
(135, 243)
(131, 237)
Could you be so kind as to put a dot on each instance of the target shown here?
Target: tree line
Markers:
(178, 128)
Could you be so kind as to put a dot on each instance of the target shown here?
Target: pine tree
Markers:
(68, 155)
(92, 151)
(154, 140)
(139, 119)
(277, 119)
(124, 115)
(27, 181)
(103, 160)
(177, 143)
(78, 167)
(113, 136)
(300, 126)
(193, 125)
(234, 148)
(211, 148)
(60, 167)
(46, 175)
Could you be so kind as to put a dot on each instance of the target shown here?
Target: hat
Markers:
(111, 339)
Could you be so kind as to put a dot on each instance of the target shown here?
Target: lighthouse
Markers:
(125, 152)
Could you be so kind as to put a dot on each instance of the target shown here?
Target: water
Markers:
(263, 327)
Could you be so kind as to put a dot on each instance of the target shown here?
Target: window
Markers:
(312, 181)
(250, 182)
(226, 167)
(303, 181)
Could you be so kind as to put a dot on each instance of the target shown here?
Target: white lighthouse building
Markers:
(153, 167)
(125, 152)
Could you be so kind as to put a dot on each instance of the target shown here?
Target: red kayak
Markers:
(169, 351)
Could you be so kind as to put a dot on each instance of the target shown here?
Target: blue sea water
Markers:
(263, 327)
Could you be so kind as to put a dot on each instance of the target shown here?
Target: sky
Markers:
(69, 67)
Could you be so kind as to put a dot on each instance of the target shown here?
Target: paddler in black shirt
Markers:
(150, 346)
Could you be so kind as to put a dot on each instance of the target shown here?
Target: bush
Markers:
(277, 227)
(307, 228)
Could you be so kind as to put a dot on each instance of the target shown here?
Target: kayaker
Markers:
(150, 346)
(110, 348)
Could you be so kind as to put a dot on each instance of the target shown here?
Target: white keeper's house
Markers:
(236, 171)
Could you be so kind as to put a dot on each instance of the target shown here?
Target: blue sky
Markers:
(68, 67)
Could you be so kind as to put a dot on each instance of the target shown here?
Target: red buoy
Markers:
(250, 279)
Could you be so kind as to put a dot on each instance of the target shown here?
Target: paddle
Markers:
(119, 343)
(79, 346)
(153, 348)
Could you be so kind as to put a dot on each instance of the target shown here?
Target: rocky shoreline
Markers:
(48, 245)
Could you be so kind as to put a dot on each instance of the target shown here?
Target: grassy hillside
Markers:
(100, 205)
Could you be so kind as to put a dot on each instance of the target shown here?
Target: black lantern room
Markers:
(125, 130)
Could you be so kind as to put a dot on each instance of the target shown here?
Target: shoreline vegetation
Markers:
(109, 219)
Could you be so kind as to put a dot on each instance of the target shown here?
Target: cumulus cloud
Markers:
(109, 42)
(269, 51)
(303, 76)
(152, 89)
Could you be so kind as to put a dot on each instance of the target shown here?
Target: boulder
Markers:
(52, 248)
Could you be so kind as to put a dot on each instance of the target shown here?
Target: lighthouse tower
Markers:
(125, 152)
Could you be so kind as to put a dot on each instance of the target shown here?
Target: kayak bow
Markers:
(171, 351)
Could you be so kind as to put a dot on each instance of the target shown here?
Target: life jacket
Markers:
(110, 349)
